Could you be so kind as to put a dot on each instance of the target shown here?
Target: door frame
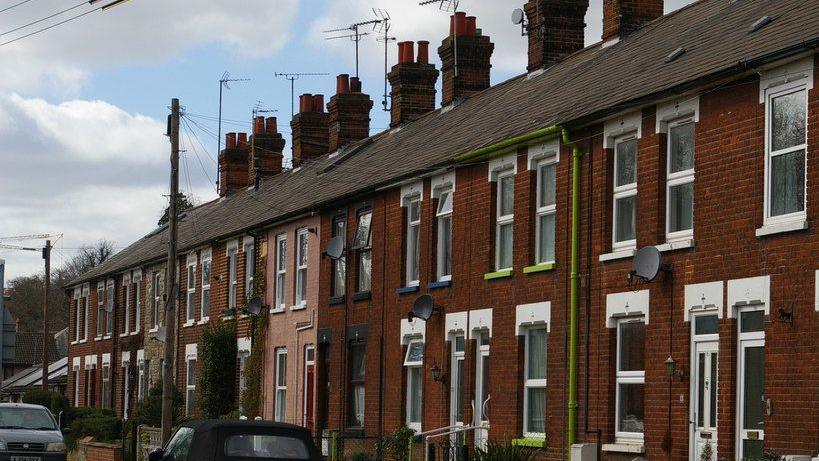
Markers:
(709, 343)
(751, 339)
(482, 352)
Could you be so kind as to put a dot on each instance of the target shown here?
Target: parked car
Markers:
(237, 440)
(29, 433)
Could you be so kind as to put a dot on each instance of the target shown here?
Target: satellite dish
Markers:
(335, 249)
(518, 16)
(161, 334)
(422, 308)
(647, 263)
(254, 306)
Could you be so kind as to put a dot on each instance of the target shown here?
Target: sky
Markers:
(83, 106)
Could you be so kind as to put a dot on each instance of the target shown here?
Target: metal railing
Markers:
(448, 443)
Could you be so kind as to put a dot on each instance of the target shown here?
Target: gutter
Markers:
(503, 147)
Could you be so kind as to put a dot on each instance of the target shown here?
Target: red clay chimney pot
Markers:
(230, 140)
(318, 103)
(343, 84)
(401, 46)
(409, 52)
(241, 140)
(306, 103)
(258, 125)
(271, 126)
(460, 23)
(423, 52)
(355, 85)
(471, 25)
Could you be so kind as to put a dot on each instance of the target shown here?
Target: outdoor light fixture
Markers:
(437, 373)
(671, 366)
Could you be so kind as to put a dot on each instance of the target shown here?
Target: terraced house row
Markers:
(506, 221)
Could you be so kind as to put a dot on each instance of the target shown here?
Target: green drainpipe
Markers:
(571, 430)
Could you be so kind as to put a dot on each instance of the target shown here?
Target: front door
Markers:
(704, 398)
(751, 373)
(482, 396)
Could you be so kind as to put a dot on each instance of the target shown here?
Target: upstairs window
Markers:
(137, 301)
(205, 301)
(250, 267)
(680, 180)
(443, 215)
(630, 411)
(281, 270)
(190, 301)
(413, 238)
(100, 309)
(109, 311)
(301, 268)
(625, 193)
(233, 275)
(78, 307)
(786, 146)
(546, 210)
(157, 299)
(504, 220)
(340, 265)
(363, 245)
(126, 321)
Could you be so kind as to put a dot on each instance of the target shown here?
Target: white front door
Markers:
(482, 396)
(704, 400)
(456, 394)
(751, 385)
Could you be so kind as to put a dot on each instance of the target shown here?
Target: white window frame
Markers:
(412, 251)
(772, 93)
(78, 301)
(233, 274)
(301, 269)
(157, 300)
(626, 377)
(190, 299)
(309, 361)
(137, 279)
(126, 388)
(366, 248)
(624, 191)
(457, 356)
(207, 260)
(86, 296)
(126, 324)
(504, 220)
(141, 391)
(339, 266)
(243, 355)
(532, 383)
(249, 249)
(109, 312)
(100, 310)
(441, 273)
(744, 340)
(544, 210)
(280, 385)
(678, 178)
(414, 366)
(190, 385)
(76, 375)
(105, 385)
(281, 272)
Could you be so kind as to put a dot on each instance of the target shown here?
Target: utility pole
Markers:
(46, 339)
(169, 381)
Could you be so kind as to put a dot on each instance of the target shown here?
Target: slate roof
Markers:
(29, 349)
(588, 85)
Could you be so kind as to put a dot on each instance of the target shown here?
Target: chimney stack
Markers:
(310, 135)
(413, 84)
(556, 30)
(349, 113)
(474, 55)
(622, 17)
(233, 164)
(267, 145)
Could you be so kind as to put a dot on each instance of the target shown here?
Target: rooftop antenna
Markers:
(449, 6)
(384, 27)
(224, 82)
(292, 77)
(355, 37)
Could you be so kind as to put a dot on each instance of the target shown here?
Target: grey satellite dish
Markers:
(254, 306)
(518, 16)
(422, 308)
(161, 334)
(647, 263)
(335, 249)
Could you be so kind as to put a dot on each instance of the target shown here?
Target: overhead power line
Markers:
(14, 6)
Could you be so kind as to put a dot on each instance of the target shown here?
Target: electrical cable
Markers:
(14, 6)
(81, 4)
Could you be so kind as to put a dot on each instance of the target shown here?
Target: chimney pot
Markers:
(306, 103)
(556, 30)
(230, 140)
(271, 127)
(241, 140)
(460, 23)
(401, 46)
(473, 55)
(471, 25)
(355, 85)
(349, 117)
(423, 52)
(258, 125)
(343, 84)
(409, 52)
(318, 103)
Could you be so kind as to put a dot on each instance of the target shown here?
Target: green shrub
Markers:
(38, 397)
(217, 378)
(360, 456)
(767, 456)
(395, 447)
(149, 411)
(101, 424)
(251, 398)
(503, 451)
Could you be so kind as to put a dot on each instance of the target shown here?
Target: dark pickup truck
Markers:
(237, 440)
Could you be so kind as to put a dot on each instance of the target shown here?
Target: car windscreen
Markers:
(258, 446)
(26, 418)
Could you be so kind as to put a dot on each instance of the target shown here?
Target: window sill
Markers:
(539, 268)
(106, 337)
(74, 343)
(134, 333)
(123, 335)
(188, 324)
(203, 321)
(619, 254)
(299, 307)
(629, 447)
(676, 245)
(407, 290)
(530, 442)
(82, 341)
(782, 227)
(439, 284)
(153, 330)
(278, 310)
(498, 274)
(363, 296)
(98, 338)
(336, 300)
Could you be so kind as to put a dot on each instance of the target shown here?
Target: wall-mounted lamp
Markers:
(437, 373)
(671, 366)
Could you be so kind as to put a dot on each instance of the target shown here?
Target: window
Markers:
(457, 385)
(190, 303)
(243, 356)
(86, 294)
(504, 220)
(190, 386)
(106, 385)
(443, 215)
(141, 381)
(205, 301)
(281, 384)
(534, 386)
(625, 193)
(232, 277)
(414, 363)
(250, 268)
(301, 268)
(126, 321)
(109, 311)
(357, 370)
(751, 385)
(281, 269)
(126, 388)
(546, 209)
(76, 379)
(786, 146)
(100, 309)
(78, 318)
(680, 180)
(363, 243)
(413, 238)
(260, 446)
(630, 408)
(137, 301)
(340, 264)
(157, 301)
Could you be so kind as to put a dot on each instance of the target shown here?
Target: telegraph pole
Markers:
(46, 334)
(169, 381)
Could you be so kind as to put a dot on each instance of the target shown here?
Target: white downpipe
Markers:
(296, 369)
